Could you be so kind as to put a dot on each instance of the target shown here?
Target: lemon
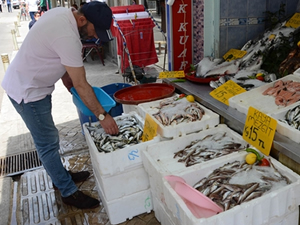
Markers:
(190, 98)
(251, 158)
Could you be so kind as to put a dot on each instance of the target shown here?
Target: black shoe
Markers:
(76, 177)
(81, 201)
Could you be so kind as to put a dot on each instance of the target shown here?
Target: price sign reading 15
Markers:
(226, 91)
(259, 130)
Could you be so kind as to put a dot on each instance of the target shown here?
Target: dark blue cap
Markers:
(100, 15)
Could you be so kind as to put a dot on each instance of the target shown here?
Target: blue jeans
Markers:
(32, 15)
(38, 119)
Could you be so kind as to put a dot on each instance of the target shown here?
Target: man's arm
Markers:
(87, 95)
(67, 81)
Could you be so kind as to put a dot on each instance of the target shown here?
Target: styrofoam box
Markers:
(129, 108)
(121, 209)
(119, 185)
(134, 108)
(121, 159)
(271, 208)
(210, 119)
(255, 98)
(159, 158)
(161, 213)
(283, 128)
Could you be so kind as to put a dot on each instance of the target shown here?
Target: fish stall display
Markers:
(177, 110)
(256, 67)
(112, 155)
(248, 193)
(238, 182)
(292, 117)
(288, 122)
(270, 98)
(178, 115)
(285, 92)
(130, 133)
(210, 147)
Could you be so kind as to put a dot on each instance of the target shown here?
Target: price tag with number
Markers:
(233, 54)
(171, 74)
(259, 130)
(226, 91)
(294, 22)
(150, 129)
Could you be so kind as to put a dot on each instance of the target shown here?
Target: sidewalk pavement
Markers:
(21, 208)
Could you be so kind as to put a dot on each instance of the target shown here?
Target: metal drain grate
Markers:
(16, 164)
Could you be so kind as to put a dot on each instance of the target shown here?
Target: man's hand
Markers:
(109, 125)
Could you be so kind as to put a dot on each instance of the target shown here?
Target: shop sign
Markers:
(259, 130)
(226, 91)
(182, 35)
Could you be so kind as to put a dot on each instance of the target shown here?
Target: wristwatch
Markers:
(102, 116)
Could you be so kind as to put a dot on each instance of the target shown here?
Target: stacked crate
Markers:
(278, 207)
(267, 105)
(173, 136)
(159, 161)
(121, 179)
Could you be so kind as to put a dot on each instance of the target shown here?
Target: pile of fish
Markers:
(173, 111)
(210, 147)
(245, 79)
(238, 182)
(243, 70)
(292, 117)
(285, 92)
(130, 133)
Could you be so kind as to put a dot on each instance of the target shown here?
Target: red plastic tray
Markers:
(143, 93)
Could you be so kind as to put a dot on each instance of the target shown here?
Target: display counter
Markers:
(235, 119)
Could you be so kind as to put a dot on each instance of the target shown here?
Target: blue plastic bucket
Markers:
(111, 89)
(106, 101)
(85, 115)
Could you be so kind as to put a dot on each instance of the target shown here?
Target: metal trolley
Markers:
(133, 26)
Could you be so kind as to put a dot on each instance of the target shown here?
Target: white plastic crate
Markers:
(121, 209)
(285, 129)
(122, 184)
(255, 98)
(121, 159)
(158, 158)
(277, 207)
(209, 120)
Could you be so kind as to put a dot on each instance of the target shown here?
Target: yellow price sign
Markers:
(171, 74)
(259, 130)
(150, 129)
(294, 22)
(233, 54)
(226, 91)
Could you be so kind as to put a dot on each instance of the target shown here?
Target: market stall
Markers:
(193, 140)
